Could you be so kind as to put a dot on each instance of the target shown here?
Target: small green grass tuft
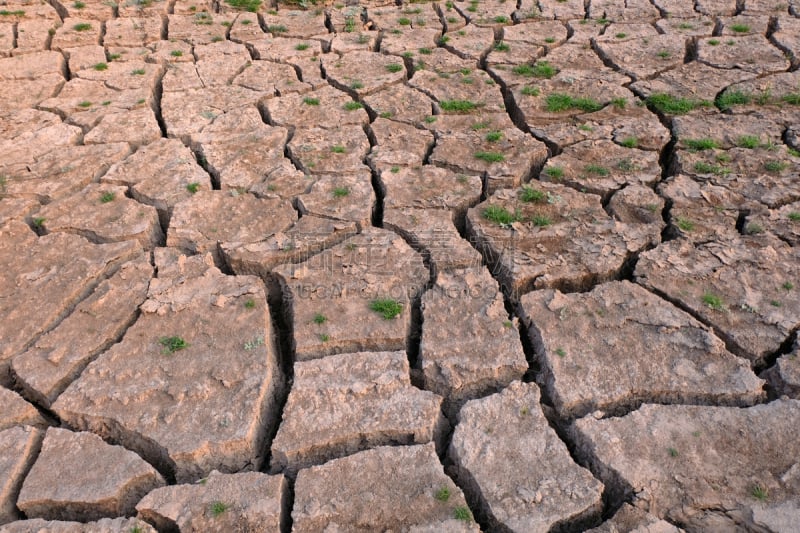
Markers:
(83, 26)
(502, 47)
(319, 318)
(684, 224)
(338, 149)
(792, 98)
(672, 452)
(775, 166)
(500, 19)
(394, 67)
(748, 141)
(100, 66)
(340, 192)
(490, 157)
(442, 494)
(530, 91)
(38, 222)
(250, 304)
(759, 493)
(404, 21)
(352, 106)
(85, 104)
(386, 307)
(500, 215)
(172, 344)
(277, 28)
(754, 228)
(218, 508)
(541, 221)
(713, 301)
(176, 53)
(193, 187)
(729, 99)
(700, 144)
(541, 69)
(311, 101)
(597, 170)
(713, 42)
(107, 197)
(324, 337)
(138, 72)
(302, 46)
(740, 28)
(557, 102)
(560, 352)
(672, 105)
(794, 216)
(458, 106)
(554, 172)
(629, 142)
(531, 195)
(462, 513)
(493, 136)
(701, 167)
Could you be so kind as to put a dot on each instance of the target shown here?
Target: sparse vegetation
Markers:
(672, 452)
(775, 166)
(254, 343)
(502, 47)
(386, 307)
(138, 72)
(700, 144)
(311, 101)
(107, 197)
(759, 493)
(462, 513)
(794, 216)
(629, 142)
(83, 26)
(490, 157)
(713, 301)
(85, 104)
(541, 69)
(319, 318)
(442, 494)
(684, 224)
(250, 304)
(493, 136)
(531, 195)
(193, 187)
(541, 221)
(554, 172)
(530, 91)
(172, 344)
(176, 53)
(560, 352)
(500, 215)
(100, 66)
(394, 67)
(672, 105)
(729, 99)
(340, 192)
(301, 46)
(458, 106)
(277, 28)
(556, 102)
(218, 508)
(597, 170)
(740, 28)
(748, 141)
(702, 167)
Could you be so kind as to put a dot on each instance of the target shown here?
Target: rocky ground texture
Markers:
(468, 265)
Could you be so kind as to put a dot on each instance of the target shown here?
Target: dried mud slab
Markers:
(766, 174)
(29, 134)
(474, 87)
(784, 375)
(751, 53)
(736, 287)
(160, 174)
(308, 236)
(506, 157)
(199, 28)
(632, 126)
(434, 233)
(221, 502)
(104, 480)
(201, 223)
(132, 32)
(400, 103)
(384, 488)
(513, 463)
(189, 112)
(64, 172)
(453, 361)
(575, 167)
(271, 78)
(35, 274)
(371, 404)
(397, 145)
(296, 23)
(19, 446)
(552, 236)
(347, 197)
(633, 519)
(726, 131)
(105, 525)
(783, 222)
(429, 187)
(363, 73)
(590, 346)
(102, 213)
(644, 57)
(338, 151)
(191, 412)
(364, 288)
(707, 468)
(14, 411)
(58, 357)
(322, 108)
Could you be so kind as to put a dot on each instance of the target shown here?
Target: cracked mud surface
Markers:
(474, 265)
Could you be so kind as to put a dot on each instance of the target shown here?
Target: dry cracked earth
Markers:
(430, 267)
